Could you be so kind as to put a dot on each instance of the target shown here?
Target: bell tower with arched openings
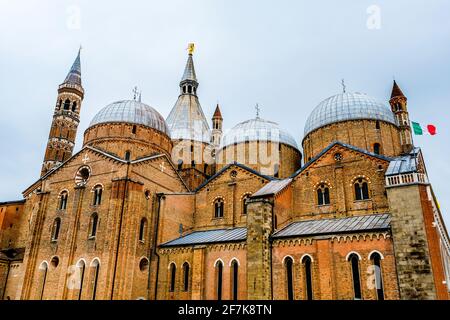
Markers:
(66, 118)
(399, 107)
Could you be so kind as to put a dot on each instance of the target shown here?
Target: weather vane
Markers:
(257, 111)
(343, 85)
(190, 48)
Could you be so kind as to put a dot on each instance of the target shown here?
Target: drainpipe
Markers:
(122, 209)
(6, 280)
(155, 241)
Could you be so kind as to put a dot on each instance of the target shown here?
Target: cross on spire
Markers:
(343, 85)
(136, 93)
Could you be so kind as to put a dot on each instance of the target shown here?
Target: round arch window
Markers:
(143, 264)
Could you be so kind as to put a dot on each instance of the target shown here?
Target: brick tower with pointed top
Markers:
(66, 117)
(216, 134)
(399, 107)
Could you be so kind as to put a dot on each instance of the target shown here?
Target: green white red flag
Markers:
(417, 129)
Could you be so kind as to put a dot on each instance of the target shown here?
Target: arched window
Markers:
(43, 268)
(134, 129)
(323, 195)
(81, 268)
(376, 148)
(127, 155)
(173, 273)
(189, 89)
(218, 208)
(55, 229)
(219, 279)
(98, 190)
(244, 203)
(95, 269)
(307, 268)
(142, 229)
(74, 106)
(184, 89)
(63, 200)
(93, 224)
(354, 264)
(235, 279)
(376, 263)
(361, 189)
(185, 276)
(143, 264)
(67, 104)
(59, 104)
(377, 124)
(180, 164)
(288, 264)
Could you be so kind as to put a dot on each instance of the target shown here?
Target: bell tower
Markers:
(399, 107)
(66, 118)
(216, 133)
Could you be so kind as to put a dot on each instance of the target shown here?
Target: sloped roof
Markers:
(209, 236)
(396, 91)
(331, 145)
(404, 164)
(272, 188)
(218, 173)
(331, 226)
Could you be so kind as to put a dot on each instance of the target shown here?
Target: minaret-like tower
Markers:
(398, 104)
(189, 131)
(216, 134)
(66, 118)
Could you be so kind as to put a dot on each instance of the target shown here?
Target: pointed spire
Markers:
(189, 70)
(74, 75)
(217, 113)
(396, 91)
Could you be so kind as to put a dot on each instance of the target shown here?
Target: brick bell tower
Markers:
(399, 107)
(66, 118)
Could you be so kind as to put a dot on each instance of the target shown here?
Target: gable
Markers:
(224, 175)
(159, 170)
(350, 154)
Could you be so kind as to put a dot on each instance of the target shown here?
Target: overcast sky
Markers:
(285, 55)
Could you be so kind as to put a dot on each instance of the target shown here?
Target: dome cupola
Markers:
(129, 129)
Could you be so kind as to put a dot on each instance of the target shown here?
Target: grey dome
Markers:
(257, 129)
(347, 106)
(131, 111)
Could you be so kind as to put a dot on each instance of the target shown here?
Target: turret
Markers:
(398, 104)
(66, 117)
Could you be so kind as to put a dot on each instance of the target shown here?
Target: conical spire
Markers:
(217, 113)
(74, 75)
(189, 70)
(396, 91)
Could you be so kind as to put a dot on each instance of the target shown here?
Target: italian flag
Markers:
(431, 129)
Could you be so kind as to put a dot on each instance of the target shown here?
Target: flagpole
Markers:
(414, 147)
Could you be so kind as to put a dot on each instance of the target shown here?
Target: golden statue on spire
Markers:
(191, 47)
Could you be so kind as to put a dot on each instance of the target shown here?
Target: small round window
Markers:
(82, 176)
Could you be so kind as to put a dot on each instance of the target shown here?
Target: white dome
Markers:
(347, 106)
(257, 130)
(131, 111)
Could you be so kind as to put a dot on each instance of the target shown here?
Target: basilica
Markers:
(158, 208)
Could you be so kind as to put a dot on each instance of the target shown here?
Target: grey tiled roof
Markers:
(273, 187)
(347, 106)
(74, 75)
(209, 236)
(340, 225)
(403, 164)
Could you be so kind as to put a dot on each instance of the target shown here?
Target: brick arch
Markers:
(306, 255)
(352, 252)
(375, 251)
